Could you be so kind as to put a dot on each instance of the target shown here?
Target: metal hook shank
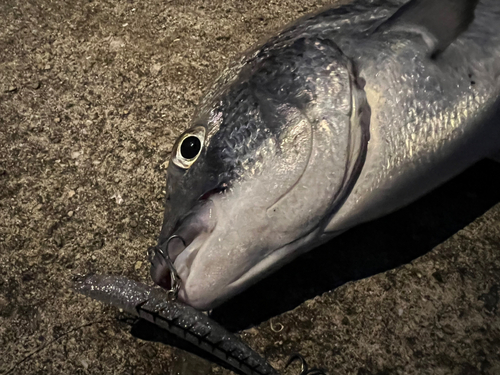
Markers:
(174, 276)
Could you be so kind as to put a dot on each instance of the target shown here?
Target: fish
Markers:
(343, 117)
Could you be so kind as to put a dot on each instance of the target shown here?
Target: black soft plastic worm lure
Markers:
(153, 305)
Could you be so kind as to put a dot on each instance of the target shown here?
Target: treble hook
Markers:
(304, 370)
(175, 279)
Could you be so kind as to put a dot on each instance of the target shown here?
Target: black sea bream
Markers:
(341, 118)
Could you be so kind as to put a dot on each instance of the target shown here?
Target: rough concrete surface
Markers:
(92, 95)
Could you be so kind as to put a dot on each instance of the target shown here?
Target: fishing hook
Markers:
(175, 280)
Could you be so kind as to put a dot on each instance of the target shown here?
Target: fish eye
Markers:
(189, 147)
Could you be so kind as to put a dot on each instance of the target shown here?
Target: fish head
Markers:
(252, 184)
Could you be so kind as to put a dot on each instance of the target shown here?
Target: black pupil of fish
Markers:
(190, 147)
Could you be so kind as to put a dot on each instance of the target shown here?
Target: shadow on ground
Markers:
(369, 249)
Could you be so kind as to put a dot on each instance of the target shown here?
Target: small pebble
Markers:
(12, 88)
(75, 155)
(138, 265)
(165, 165)
(57, 120)
(118, 198)
(133, 224)
(71, 193)
(252, 331)
(85, 364)
(70, 214)
(155, 69)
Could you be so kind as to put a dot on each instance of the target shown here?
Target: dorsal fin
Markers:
(439, 22)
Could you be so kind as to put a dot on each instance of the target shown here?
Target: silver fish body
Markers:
(431, 118)
(333, 122)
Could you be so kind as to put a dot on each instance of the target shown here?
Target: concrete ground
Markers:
(92, 95)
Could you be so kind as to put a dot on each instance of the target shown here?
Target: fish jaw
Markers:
(207, 292)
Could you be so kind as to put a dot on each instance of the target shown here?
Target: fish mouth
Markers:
(184, 243)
